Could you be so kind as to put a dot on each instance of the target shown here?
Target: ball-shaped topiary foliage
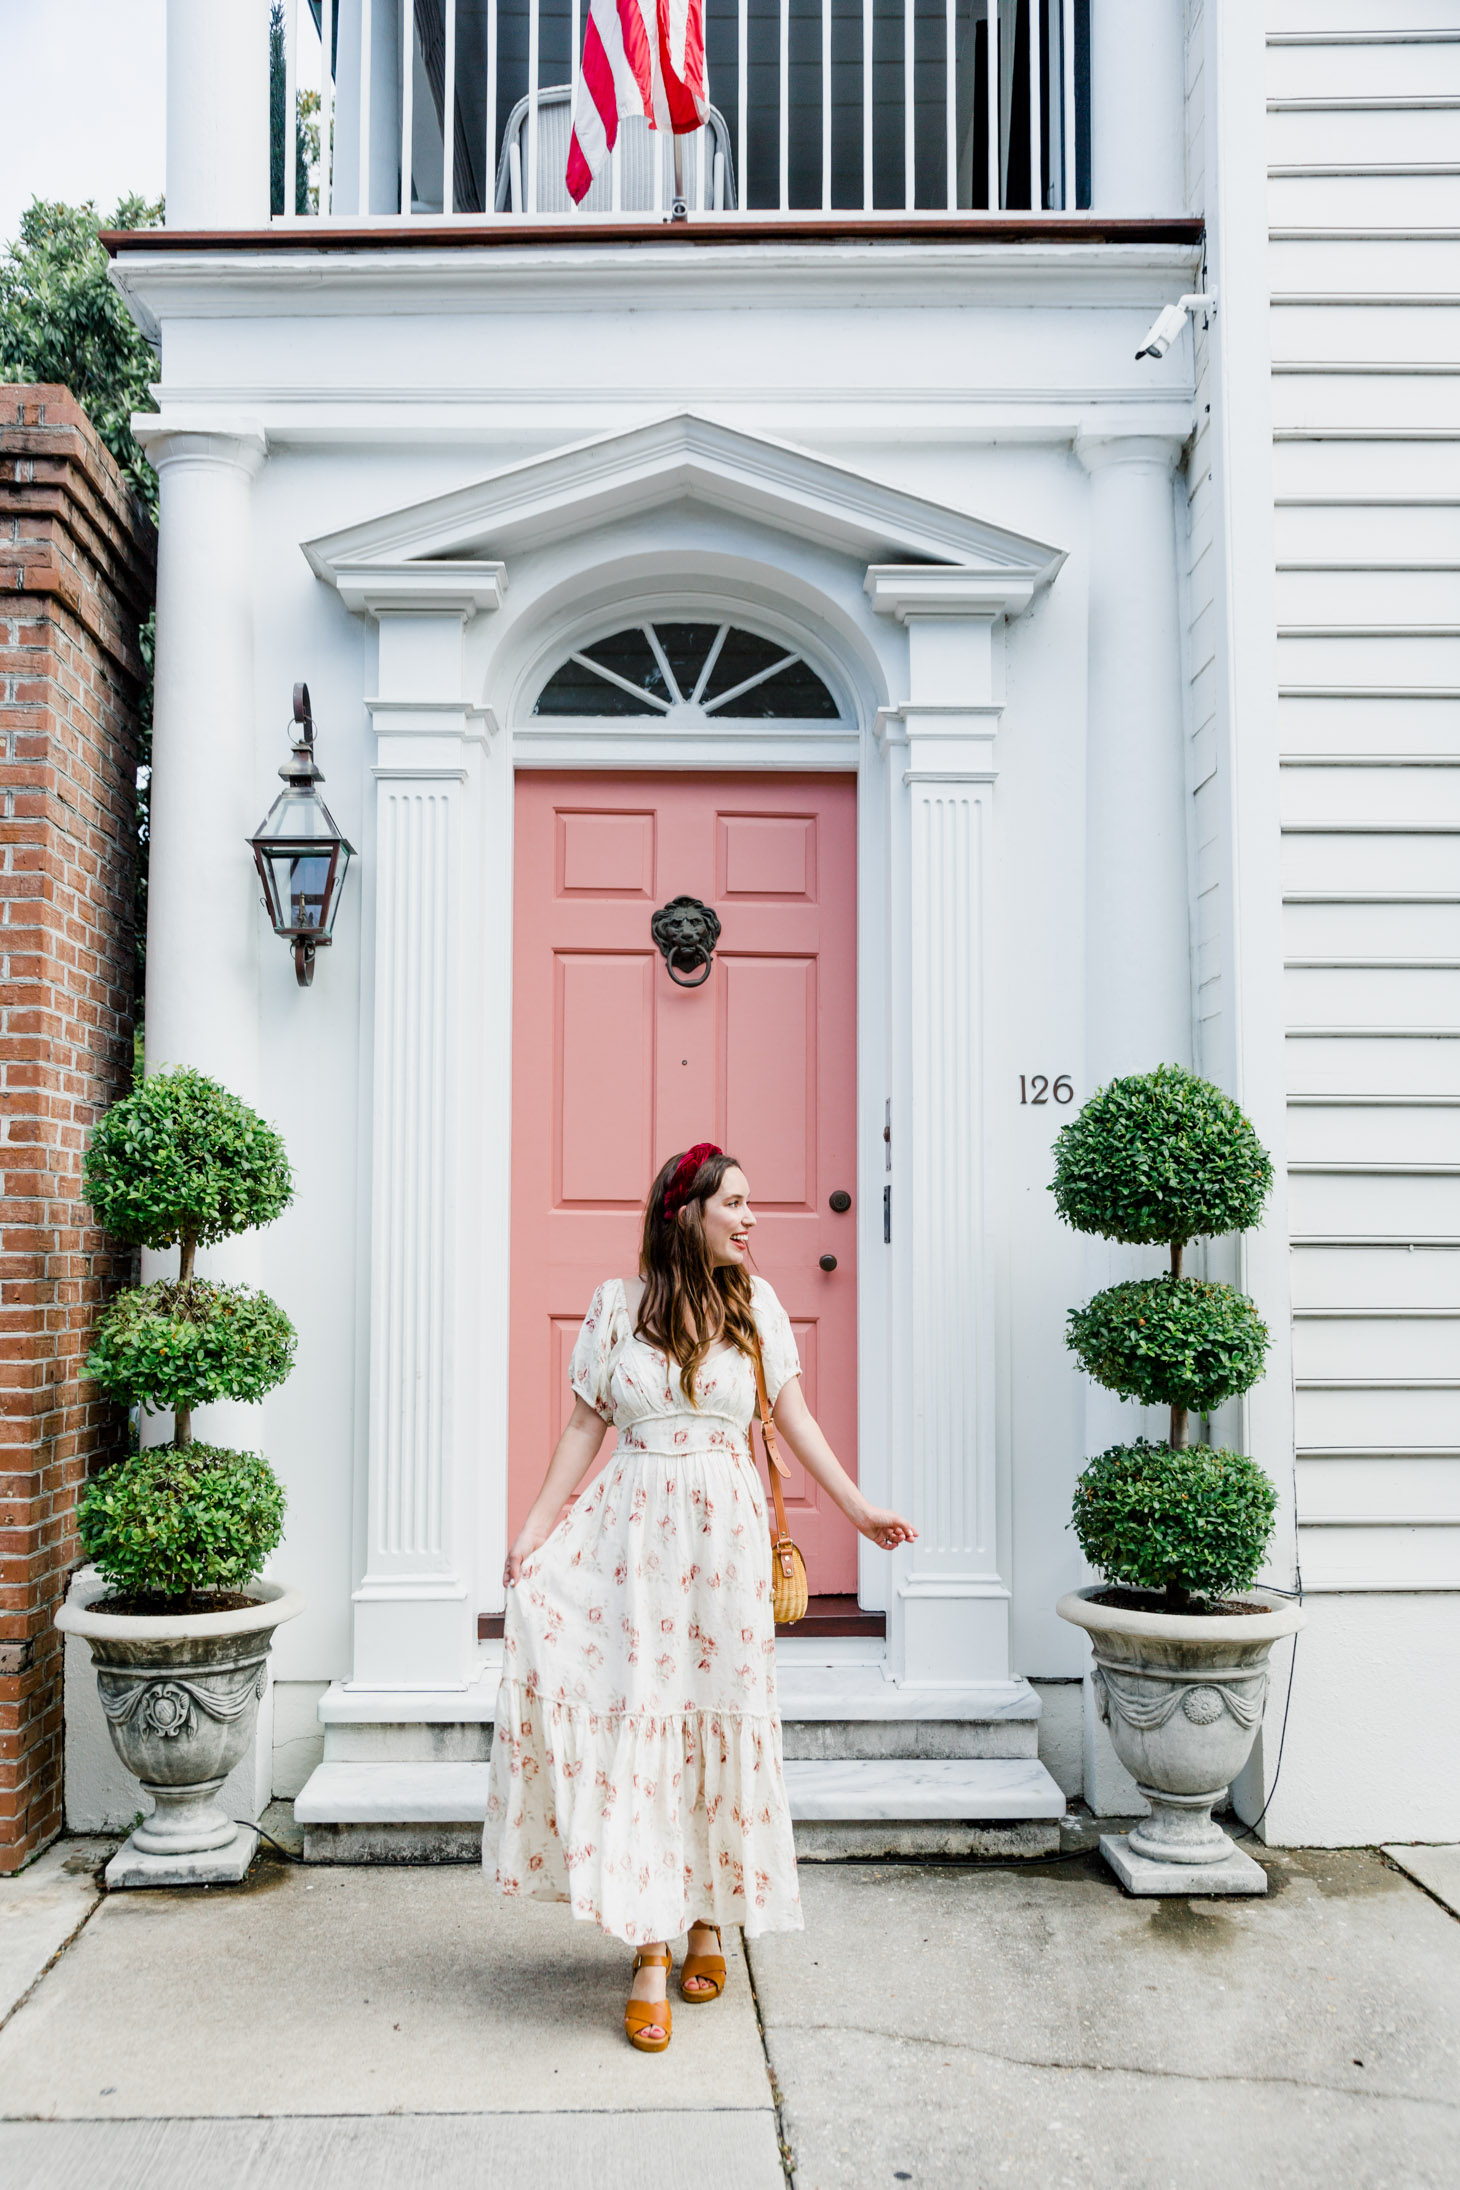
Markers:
(1160, 1156)
(1171, 1342)
(182, 1159)
(1190, 1520)
(167, 1346)
(170, 1524)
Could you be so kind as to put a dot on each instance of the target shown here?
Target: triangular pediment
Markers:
(682, 458)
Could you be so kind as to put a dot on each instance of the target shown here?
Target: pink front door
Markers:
(614, 1067)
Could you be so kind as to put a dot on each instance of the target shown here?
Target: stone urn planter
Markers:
(1183, 1697)
(180, 1694)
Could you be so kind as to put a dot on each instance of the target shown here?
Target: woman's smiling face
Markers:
(729, 1221)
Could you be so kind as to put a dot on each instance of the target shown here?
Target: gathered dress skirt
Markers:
(636, 1762)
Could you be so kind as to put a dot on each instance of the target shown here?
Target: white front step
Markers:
(410, 1793)
(896, 1790)
(828, 1791)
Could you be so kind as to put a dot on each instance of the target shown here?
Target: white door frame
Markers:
(914, 649)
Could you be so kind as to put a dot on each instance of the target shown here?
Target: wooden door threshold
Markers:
(824, 1616)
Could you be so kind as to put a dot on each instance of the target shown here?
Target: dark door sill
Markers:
(824, 1616)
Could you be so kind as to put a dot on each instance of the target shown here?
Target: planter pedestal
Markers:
(224, 1864)
(1183, 1698)
(180, 1695)
(1233, 1873)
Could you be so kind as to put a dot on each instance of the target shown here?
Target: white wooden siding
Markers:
(1364, 170)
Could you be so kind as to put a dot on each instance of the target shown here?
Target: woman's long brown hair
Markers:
(688, 1305)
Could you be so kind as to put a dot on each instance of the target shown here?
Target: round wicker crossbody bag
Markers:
(788, 1568)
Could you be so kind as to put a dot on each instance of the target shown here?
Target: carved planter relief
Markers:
(180, 1697)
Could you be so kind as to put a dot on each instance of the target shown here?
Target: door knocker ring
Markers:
(686, 932)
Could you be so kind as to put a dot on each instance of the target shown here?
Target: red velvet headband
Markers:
(676, 1193)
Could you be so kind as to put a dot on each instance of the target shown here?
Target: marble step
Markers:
(469, 1741)
(827, 1712)
(821, 1790)
(855, 1790)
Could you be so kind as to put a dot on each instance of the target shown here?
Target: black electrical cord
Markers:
(277, 1845)
(1249, 1832)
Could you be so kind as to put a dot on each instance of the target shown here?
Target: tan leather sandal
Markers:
(710, 1968)
(643, 2015)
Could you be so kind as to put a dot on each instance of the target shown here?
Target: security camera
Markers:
(1171, 320)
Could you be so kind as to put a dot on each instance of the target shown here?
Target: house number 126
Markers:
(1034, 1087)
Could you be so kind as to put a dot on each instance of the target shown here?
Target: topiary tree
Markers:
(167, 1526)
(1190, 1521)
(1164, 1157)
(181, 1162)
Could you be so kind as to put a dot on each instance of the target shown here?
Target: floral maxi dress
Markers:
(636, 1766)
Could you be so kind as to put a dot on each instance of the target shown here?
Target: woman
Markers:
(636, 1770)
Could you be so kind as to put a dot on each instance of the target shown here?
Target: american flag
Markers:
(639, 57)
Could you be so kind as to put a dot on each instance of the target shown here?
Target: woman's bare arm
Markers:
(573, 1456)
(807, 1440)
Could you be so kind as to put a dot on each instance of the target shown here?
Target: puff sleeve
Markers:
(777, 1339)
(591, 1367)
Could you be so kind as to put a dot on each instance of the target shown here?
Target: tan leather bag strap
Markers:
(775, 1465)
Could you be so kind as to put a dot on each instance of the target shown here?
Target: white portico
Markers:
(463, 602)
(924, 712)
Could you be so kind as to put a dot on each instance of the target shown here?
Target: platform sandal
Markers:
(643, 2015)
(710, 1968)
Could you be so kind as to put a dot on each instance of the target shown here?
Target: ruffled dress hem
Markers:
(642, 1823)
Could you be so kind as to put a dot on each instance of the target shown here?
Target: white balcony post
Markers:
(415, 1605)
(367, 162)
(217, 114)
(1137, 108)
(949, 1618)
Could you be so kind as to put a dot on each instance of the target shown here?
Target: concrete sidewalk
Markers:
(951, 2025)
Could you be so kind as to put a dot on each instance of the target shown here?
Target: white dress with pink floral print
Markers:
(636, 1767)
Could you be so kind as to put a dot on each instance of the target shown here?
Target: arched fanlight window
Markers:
(673, 668)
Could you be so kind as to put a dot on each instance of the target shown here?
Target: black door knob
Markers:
(828, 1262)
(841, 1201)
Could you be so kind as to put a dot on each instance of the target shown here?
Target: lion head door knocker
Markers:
(686, 932)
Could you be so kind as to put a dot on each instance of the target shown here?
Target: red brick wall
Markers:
(76, 579)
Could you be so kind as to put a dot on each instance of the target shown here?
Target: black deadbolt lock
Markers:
(841, 1201)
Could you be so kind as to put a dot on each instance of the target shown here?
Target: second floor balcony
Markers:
(851, 109)
(817, 106)
(313, 122)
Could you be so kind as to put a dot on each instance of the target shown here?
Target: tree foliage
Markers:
(1166, 1157)
(1170, 1342)
(168, 1346)
(181, 1158)
(62, 321)
(1190, 1522)
(171, 1523)
(1161, 1156)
